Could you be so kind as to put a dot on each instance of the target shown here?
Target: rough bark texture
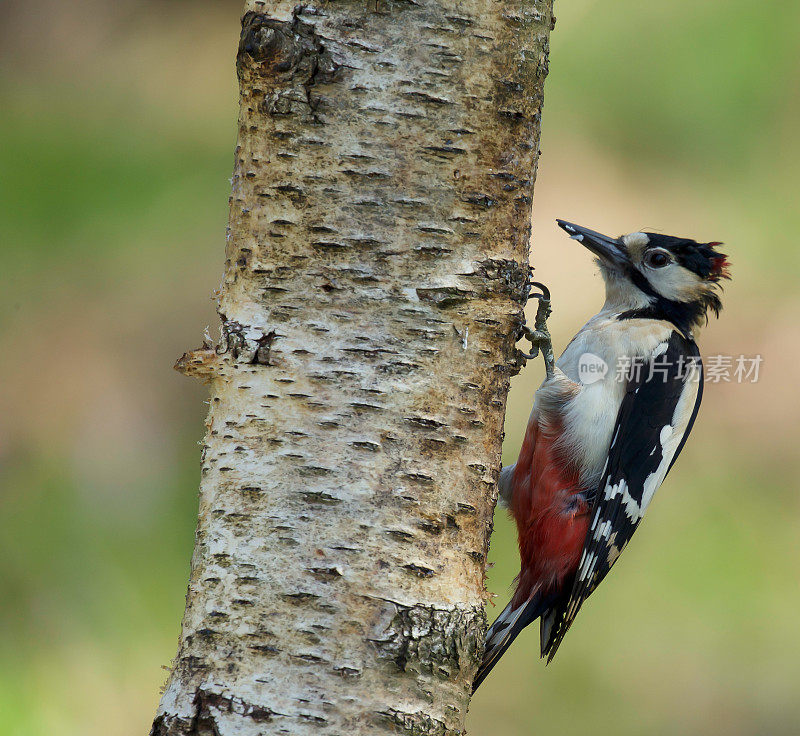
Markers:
(374, 284)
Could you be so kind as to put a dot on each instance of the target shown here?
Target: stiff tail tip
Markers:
(503, 631)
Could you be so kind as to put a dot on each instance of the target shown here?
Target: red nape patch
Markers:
(719, 266)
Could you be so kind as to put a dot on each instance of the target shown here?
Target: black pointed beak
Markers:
(610, 250)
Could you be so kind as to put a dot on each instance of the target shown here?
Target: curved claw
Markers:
(545, 295)
(539, 337)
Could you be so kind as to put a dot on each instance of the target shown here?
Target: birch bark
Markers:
(375, 276)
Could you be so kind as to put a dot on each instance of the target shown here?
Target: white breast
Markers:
(590, 414)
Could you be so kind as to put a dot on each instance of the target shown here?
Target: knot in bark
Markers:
(270, 44)
(282, 53)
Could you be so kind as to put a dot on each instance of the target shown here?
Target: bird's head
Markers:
(657, 275)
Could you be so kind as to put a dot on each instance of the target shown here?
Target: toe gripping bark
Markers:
(539, 336)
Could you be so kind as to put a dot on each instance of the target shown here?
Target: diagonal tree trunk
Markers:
(375, 275)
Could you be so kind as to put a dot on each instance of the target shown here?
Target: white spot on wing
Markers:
(603, 531)
(613, 489)
(669, 437)
(660, 349)
(587, 567)
(620, 488)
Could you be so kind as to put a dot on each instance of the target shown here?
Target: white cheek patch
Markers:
(676, 283)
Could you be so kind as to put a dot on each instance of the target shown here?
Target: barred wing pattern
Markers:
(642, 451)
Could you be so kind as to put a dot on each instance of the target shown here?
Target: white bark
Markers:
(374, 282)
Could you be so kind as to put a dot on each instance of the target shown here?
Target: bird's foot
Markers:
(539, 336)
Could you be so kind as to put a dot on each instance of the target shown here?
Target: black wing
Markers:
(643, 449)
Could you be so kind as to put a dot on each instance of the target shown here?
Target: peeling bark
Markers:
(375, 275)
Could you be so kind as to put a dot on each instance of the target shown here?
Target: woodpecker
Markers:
(598, 445)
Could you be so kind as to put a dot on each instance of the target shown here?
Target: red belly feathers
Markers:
(551, 514)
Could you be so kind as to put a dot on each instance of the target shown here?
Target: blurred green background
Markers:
(117, 129)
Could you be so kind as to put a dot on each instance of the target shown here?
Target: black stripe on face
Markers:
(684, 315)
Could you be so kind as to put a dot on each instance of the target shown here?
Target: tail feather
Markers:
(505, 629)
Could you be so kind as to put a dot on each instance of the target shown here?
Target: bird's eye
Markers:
(657, 258)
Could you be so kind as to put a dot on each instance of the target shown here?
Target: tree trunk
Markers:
(375, 276)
